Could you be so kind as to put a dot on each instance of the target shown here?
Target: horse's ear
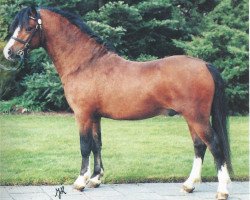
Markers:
(33, 11)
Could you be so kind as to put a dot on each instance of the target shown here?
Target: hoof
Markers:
(94, 182)
(187, 189)
(221, 196)
(80, 183)
(79, 187)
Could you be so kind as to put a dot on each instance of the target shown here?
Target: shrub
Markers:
(44, 91)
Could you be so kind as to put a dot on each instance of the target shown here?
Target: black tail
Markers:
(219, 114)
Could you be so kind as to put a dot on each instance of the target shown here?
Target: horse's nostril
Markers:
(9, 52)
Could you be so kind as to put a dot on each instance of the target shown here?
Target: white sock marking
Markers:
(82, 180)
(224, 179)
(195, 175)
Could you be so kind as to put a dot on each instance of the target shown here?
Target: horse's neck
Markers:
(68, 47)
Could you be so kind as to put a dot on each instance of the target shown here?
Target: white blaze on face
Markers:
(10, 44)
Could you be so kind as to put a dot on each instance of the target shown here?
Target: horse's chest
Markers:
(79, 94)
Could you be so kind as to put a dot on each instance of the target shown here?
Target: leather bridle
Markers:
(23, 52)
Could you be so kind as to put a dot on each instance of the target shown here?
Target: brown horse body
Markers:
(121, 89)
(99, 83)
(113, 87)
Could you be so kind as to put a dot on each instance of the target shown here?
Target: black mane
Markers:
(22, 20)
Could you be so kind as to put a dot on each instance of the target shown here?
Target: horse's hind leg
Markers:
(95, 179)
(195, 175)
(206, 133)
(223, 175)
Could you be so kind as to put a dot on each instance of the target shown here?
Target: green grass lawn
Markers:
(44, 149)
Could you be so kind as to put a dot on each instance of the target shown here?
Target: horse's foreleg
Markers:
(85, 146)
(195, 175)
(95, 179)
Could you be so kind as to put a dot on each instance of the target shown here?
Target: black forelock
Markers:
(21, 19)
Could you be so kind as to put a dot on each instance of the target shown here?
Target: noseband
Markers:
(23, 52)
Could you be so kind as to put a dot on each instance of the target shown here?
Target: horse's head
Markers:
(26, 30)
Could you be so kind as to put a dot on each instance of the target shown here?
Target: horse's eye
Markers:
(29, 29)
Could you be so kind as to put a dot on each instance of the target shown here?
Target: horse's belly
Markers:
(131, 109)
(129, 115)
